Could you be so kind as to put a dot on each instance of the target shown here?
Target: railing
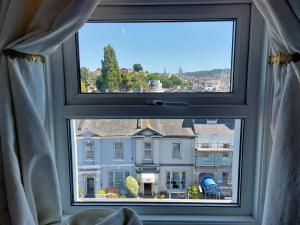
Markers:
(214, 145)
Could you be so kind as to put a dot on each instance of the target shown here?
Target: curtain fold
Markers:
(29, 190)
(282, 200)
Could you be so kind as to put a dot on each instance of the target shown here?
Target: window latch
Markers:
(166, 103)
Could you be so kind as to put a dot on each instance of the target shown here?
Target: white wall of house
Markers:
(186, 147)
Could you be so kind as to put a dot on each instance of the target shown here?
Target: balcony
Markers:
(214, 146)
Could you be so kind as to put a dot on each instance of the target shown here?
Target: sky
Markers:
(157, 46)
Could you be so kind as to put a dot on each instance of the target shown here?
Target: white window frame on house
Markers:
(114, 180)
(149, 154)
(176, 153)
(180, 181)
(118, 153)
(243, 102)
(89, 151)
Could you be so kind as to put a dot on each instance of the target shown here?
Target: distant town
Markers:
(111, 78)
(157, 159)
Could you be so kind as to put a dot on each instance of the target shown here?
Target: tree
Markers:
(84, 74)
(194, 192)
(132, 186)
(137, 67)
(110, 73)
(83, 87)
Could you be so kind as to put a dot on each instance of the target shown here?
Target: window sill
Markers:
(193, 219)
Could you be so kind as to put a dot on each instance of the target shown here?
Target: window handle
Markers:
(166, 103)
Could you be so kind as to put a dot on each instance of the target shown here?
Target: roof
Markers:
(210, 129)
(129, 127)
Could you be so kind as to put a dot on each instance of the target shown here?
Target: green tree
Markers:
(110, 73)
(137, 67)
(83, 86)
(132, 186)
(194, 192)
(84, 74)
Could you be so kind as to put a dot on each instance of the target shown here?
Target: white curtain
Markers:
(29, 191)
(282, 201)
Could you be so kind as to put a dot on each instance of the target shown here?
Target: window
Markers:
(117, 179)
(176, 180)
(89, 151)
(173, 97)
(176, 153)
(118, 150)
(226, 145)
(224, 178)
(147, 151)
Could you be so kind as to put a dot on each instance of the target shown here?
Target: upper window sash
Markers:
(239, 13)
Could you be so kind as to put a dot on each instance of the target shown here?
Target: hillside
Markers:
(214, 72)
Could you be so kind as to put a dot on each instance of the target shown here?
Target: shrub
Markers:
(194, 192)
(112, 195)
(101, 192)
(80, 191)
(132, 186)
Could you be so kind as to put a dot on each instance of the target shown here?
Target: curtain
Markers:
(29, 191)
(282, 200)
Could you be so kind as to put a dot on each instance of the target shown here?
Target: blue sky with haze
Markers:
(192, 45)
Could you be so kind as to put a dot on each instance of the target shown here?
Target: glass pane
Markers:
(157, 57)
(203, 174)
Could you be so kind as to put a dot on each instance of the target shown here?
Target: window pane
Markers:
(119, 152)
(133, 58)
(204, 175)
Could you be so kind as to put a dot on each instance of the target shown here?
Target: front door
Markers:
(147, 190)
(90, 187)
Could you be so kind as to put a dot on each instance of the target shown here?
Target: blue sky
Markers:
(192, 45)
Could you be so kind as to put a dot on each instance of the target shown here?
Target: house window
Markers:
(118, 150)
(147, 151)
(89, 152)
(224, 178)
(117, 179)
(176, 153)
(226, 145)
(176, 180)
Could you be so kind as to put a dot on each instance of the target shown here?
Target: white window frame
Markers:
(149, 150)
(115, 150)
(92, 150)
(240, 13)
(68, 104)
(124, 173)
(173, 155)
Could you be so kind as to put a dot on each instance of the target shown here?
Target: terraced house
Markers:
(159, 153)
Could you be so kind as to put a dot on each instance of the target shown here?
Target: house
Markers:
(105, 154)
(164, 156)
(158, 152)
(217, 153)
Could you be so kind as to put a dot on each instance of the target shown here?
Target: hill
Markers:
(214, 72)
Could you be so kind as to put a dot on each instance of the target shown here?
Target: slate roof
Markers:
(209, 129)
(128, 127)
